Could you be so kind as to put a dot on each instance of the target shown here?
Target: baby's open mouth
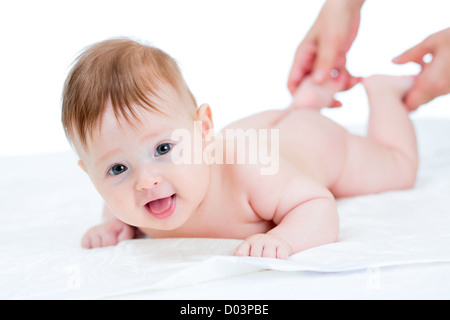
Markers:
(162, 208)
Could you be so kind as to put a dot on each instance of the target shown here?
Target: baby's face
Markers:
(132, 168)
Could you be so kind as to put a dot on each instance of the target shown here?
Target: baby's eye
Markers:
(162, 149)
(117, 169)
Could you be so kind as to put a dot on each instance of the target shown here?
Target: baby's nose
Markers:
(147, 179)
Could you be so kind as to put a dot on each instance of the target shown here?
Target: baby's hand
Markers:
(108, 233)
(264, 245)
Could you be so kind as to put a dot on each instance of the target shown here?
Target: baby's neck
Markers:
(215, 189)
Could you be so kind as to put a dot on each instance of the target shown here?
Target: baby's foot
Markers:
(382, 84)
(310, 95)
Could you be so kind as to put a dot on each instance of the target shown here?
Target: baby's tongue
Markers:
(160, 205)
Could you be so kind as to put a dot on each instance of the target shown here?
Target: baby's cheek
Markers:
(192, 176)
(120, 207)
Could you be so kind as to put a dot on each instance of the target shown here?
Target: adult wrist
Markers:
(350, 4)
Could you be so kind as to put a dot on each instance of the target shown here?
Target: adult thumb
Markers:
(325, 62)
(419, 94)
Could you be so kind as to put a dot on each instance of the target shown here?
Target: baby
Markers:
(123, 101)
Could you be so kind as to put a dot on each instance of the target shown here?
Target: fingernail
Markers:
(334, 73)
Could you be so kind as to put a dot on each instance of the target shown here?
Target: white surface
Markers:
(392, 245)
(234, 54)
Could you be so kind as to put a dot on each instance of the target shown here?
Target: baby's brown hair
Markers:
(121, 71)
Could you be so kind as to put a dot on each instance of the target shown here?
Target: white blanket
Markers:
(47, 203)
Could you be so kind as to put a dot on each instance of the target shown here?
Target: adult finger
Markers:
(422, 91)
(327, 55)
(433, 81)
(415, 54)
(335, 104)
(349, 80)
(301, 66)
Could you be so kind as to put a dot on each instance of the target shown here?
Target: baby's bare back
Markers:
(312, 143)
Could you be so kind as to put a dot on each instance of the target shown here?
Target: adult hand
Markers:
(434, 78)
(325, 46)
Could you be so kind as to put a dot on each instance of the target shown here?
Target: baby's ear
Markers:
(204, 115)
(81, 164)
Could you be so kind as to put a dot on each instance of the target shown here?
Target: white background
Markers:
(234, 54)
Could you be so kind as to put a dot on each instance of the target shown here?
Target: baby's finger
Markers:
(86, 242)
(96, 241)
(126, 233)
(256, 250)
(269, 251)
(282, 253)
(243, 250)
(108, 239)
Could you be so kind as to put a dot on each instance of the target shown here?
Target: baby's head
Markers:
(121, 102)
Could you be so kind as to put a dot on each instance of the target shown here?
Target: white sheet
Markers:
(47, 203)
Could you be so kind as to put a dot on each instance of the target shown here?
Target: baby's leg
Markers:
(387, 158)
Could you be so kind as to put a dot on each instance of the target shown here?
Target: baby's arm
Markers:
(108, 233)
(304, 211)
